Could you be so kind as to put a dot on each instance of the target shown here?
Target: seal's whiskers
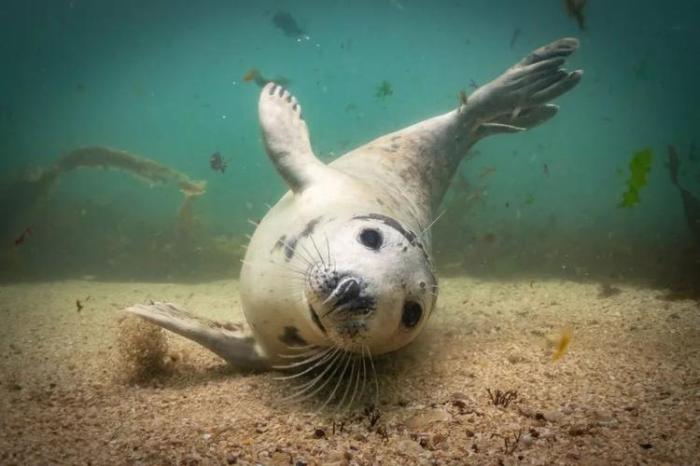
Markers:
(348, 385)
(376, 380)
(426, 229)
(295, 273)
(304, 394)
(348, 356)
(320, 359)
(364, 370)
(328, 252)
(318, 251)
(313, 349)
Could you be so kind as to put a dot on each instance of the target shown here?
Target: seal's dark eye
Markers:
(371, 238)
(412, 312)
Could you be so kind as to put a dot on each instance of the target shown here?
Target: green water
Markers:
(164, 80)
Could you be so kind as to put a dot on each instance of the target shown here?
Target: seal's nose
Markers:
(347, 291)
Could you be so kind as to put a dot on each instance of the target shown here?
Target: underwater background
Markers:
(175, 82)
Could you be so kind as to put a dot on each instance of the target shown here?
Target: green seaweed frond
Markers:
(384, 90)
(640, 166)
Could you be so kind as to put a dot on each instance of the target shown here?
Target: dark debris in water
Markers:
(384, 90)
(287, 24)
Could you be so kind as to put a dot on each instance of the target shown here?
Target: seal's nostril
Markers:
(347, 290)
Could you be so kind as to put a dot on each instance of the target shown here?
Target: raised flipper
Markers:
(518, 99)
(286, 137)
(225, 340)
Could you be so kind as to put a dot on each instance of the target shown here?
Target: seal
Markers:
(340, 268)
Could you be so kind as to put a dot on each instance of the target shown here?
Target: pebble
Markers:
(553, 416)
(516, 358)
(526, 439)
(409, 447)
(424, 418)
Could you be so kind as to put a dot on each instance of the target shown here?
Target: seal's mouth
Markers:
(316, 319)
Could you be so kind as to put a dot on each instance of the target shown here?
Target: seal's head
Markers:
(371, 285)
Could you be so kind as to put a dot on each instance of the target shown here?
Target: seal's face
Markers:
(370, 285)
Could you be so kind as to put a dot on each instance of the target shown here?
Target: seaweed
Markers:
(500, 398)
(141, 355)
(561, 344)
(35, 185)
(509, 445)
(145, 169)
(384, 90)
(639, 166)
(575, 9)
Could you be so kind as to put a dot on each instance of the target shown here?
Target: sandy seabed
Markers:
(626, 392)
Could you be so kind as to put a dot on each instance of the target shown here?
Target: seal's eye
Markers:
(412, 312)
(371, 238)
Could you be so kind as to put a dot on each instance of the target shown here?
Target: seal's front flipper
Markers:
(286, 137)
(518, 98)
(525, 119)
(226, 340)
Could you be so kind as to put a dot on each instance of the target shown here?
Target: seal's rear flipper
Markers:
(226, 340)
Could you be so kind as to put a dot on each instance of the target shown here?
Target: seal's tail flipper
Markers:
(225, 340)
(519, 98)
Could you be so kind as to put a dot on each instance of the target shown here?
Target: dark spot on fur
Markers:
(291, 337)
(309, 228)
(291, 244)
(279, 244)
(380, 202)
(290, 248)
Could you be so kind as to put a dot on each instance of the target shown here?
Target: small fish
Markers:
(561, 344)
(254, 75)
(78, 305)
(545, 169)
(217, 162)
(473, 84)
(575, 9)
(22, 237)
